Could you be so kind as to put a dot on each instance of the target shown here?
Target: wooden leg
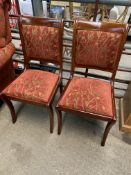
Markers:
(59, 115)
(61, 87)
(51, 119)
(106, 132)
(86, 72)
(11, 107)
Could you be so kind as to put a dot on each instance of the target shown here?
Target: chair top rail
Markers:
(108, 2)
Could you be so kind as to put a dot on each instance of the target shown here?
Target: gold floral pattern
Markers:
(97, 48)
(8, 28)
(2, 25)
(33, 85)
(88, 95)
(42, 42)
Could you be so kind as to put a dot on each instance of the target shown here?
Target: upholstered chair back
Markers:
(41, 39)
(98, 45)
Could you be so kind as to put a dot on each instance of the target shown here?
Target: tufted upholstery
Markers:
(88, 95)
(6, 47)
(33, 85)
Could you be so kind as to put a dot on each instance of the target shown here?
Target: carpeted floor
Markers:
(27, 147)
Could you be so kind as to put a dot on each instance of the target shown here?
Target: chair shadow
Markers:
(84, 124)
(126, 137)
(18, 107)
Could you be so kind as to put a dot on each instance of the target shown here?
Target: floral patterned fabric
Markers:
(2, 42)
(7, 72)
(41, 42)
(5, 32)
(33, 85)
(88, 95)
(6, 53)
(2, 25)
(7, 49)
(97, 48)
(8, 28)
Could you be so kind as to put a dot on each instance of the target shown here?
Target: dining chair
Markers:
(96, 46)
(41, 40)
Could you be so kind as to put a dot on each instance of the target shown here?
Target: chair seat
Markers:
(33, 86)
(88, 95)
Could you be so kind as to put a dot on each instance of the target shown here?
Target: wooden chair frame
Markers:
(27, 20)
(105, 27)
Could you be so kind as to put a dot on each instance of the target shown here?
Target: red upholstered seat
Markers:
(88, 95)
(33, 85)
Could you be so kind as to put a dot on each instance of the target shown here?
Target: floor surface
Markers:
(27, 147)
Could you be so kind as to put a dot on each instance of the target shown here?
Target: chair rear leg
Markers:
(11, 107)
(59, 115)
(51, 118)
(61, 87)
(106, 132)
(86, 72)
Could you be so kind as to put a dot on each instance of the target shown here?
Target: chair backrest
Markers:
(41, 39)
(98, 45)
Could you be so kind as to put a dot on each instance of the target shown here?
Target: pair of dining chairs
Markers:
(95, 46)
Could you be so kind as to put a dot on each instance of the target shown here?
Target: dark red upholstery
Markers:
(41, 42)
(2, 26)
(6, 53)
(5, 33)
(7, 49)
(97, 48)
(88, 95)
(33, 85)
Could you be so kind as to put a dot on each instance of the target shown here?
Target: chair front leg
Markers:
(106, 132)
(59, 115)
(11, 107)
(50, 109)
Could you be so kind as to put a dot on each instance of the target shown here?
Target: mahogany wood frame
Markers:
(38, 21)
(106, 27)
